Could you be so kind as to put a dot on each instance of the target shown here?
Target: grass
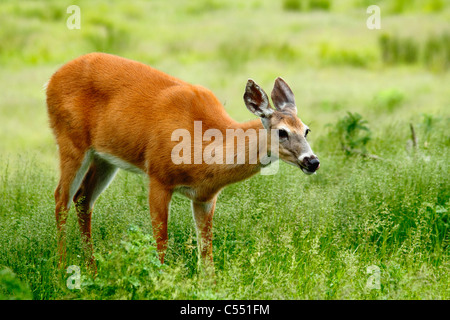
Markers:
(287, 236)
(435, 52)
(276, 237)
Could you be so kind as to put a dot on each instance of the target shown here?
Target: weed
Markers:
(353, 133)
(11, 287)
(127, 270)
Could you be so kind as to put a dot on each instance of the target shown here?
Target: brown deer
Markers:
(109, 112)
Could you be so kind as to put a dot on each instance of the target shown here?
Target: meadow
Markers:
(373, 223)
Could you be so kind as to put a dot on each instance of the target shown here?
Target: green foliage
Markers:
(319, 4)
(130, 268)
(238, 52)
(434, 5)
(106, 36)
(352, 133)
(292, 5)
(11, 287)
(398, 50)
(398, 7)
(388, 100)
(392, 214)
(205, 6)
(434, 53)
(330, 55)
(300, 5)
(428, 129)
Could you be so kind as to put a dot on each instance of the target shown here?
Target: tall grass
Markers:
(285, 236)
(434, 53)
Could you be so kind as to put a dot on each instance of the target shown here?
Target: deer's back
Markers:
(127, 109)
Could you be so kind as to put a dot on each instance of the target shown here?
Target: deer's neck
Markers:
(246, 149)
(258, 145)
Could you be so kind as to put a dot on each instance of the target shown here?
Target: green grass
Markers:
(286, 236)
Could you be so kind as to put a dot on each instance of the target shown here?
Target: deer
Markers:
(108, 113)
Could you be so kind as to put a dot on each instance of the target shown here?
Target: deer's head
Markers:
(292, 132)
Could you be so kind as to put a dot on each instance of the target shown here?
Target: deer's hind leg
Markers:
(97, 179)
(73, 166)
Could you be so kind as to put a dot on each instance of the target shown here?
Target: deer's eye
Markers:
(282, 134)
(306, 132)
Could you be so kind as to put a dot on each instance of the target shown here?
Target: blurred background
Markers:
(333, 62)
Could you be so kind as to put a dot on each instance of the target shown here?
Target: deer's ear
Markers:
(256, 100)
(282, 96)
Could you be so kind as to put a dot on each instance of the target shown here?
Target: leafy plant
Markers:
(12, 288)
(353, 133)
(132, 271)
(127, 270)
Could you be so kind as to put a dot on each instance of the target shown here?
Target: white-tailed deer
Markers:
(108, 112)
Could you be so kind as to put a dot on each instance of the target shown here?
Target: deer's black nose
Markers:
(311, 163)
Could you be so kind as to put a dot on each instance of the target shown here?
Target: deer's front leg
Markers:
(159, 211)
(203, 215)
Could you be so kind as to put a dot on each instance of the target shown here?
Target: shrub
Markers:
(353, 133)
(128, 270)
(11, 288)
(132, 271)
